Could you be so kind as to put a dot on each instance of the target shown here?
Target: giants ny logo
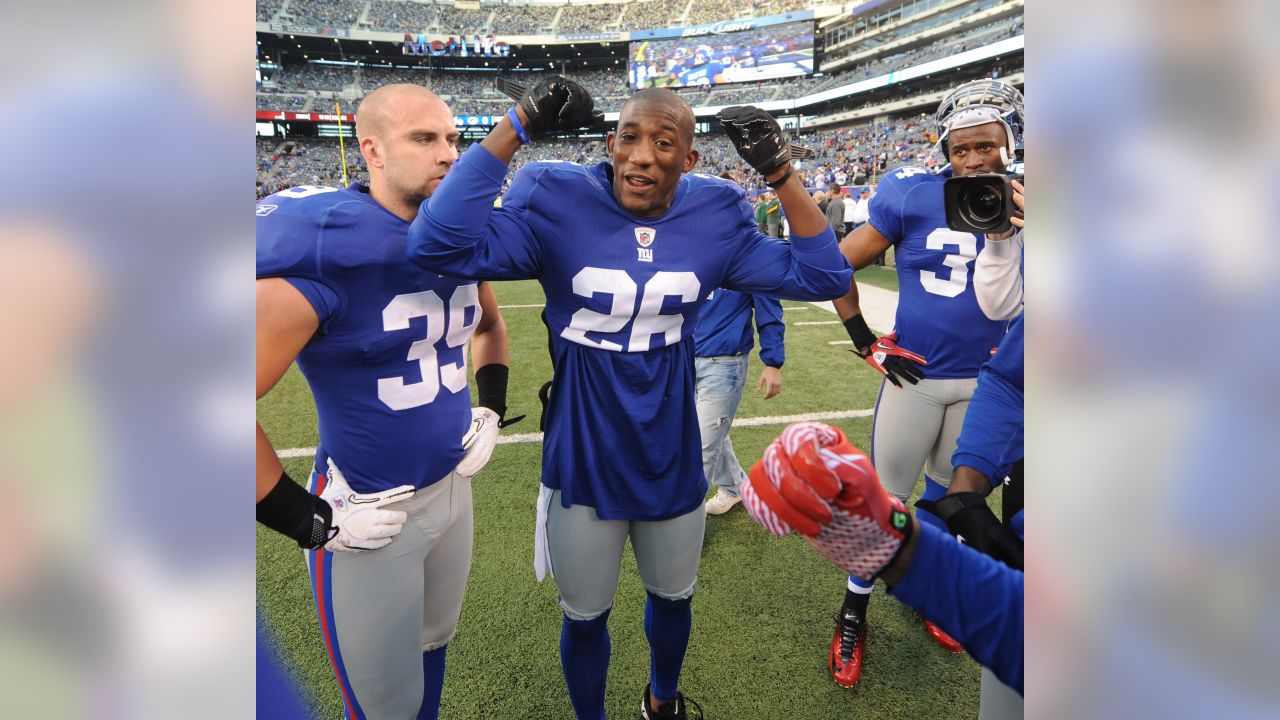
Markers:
(645, 236)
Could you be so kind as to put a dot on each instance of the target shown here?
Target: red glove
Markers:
(812, 480)
(890, 360)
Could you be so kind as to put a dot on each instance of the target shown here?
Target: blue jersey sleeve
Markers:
(807, 268)
(884, 210)
(991, 439)
(768, 312)
(290, 245)
(459, 233)
(323, 299)
(976, 599)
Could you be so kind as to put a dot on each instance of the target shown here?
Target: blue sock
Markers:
(584, 657)
(932, 491)
(432, 683)
(667, 624)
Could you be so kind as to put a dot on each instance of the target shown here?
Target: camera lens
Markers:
(982, 205)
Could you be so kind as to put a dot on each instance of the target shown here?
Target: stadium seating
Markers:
(589, 18)
(402, 16)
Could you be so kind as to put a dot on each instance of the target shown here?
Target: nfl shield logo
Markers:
(644, 236)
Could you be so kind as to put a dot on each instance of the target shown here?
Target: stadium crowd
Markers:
(277, 101)
(524, 19)
(283, 164)
(311, 76)
(652, 14)
(589, 18)
(403, 15)
(267, 9)
(325, 13)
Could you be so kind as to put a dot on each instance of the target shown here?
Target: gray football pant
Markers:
(916, 427)
(586, 555)
(998, 701)
(380, 610)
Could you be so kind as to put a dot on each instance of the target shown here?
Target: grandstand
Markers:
(879, 72)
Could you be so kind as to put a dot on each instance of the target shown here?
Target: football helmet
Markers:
(702, 54)
(978, 103)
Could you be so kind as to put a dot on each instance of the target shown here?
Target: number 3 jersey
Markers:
(938, 314)
(623, 294)
(387, 367)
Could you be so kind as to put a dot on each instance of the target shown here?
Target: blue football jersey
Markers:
(623, 294)
(704, 74)
(938, 314)
(388, 367)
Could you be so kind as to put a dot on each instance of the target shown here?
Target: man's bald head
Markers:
(408, 141)
(667, 100)
(392, 105)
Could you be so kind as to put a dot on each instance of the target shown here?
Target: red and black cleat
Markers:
(845, 656)
(940, 636)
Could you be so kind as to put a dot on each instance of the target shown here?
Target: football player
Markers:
(627, 252)
(383, 346)
(941, 337)
(702, 70)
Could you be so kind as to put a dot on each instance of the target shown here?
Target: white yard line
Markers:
(879, 306)
(740, 422)
(516, 307)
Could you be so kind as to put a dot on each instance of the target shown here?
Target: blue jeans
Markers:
(719, 386)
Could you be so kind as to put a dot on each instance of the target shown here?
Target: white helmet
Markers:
(978, 103)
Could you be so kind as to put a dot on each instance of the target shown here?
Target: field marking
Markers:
(839, 342)
(516, 307)
(740, 422)
(790, 309)
(817, 322)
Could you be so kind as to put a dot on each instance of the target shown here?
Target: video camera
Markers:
(981, 203)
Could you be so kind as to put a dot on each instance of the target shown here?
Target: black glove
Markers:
(972, 522)
(757, 137)
(554, 103)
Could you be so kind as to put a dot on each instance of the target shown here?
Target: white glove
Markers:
(479, 441)
(358, 525)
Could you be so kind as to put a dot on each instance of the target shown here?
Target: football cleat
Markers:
(942, 638)
(678, 709)
(845, 656)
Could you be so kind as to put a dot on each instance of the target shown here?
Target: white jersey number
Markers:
(397, 394)
(958, 262)
(645, 322)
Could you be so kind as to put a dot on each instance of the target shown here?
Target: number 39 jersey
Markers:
(623, 294)
(938, 314)
(388, 365)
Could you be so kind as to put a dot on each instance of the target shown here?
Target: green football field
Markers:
(763, 612)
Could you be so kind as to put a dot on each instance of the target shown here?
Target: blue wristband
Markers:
(515, 123)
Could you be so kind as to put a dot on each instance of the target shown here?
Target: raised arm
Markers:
(458, 232)
(814, 270)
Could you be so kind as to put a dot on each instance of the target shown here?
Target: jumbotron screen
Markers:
(774, 51)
